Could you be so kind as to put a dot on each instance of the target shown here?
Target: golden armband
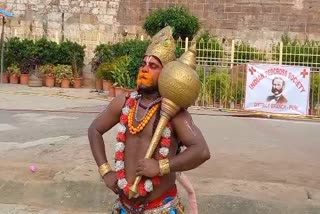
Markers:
(164, 167)
(104, 169)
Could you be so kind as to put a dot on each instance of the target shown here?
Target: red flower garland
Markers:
(143, 186)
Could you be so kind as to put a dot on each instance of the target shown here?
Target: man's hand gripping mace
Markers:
(168, 110)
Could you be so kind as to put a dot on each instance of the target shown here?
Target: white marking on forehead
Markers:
(148, 59)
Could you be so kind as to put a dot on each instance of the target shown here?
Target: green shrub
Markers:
(244, 52)
(46, 51)
(28, 54)
(210, 49)
(134, 49)
(71, 53)
(20, 52)
(314, 98)
(295, 52)
(178, 17)
(218, 84)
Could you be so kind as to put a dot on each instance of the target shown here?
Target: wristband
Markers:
(104, 169)
(164, 167)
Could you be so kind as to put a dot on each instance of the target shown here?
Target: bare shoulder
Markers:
(183, 123)
(110, 116)
(182, 116)
(185, 129)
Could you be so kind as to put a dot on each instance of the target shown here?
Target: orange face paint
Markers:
(144, 78)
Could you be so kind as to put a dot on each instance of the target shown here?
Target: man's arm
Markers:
(188, 133)
(103, 123)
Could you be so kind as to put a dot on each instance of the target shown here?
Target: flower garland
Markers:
(146, 185)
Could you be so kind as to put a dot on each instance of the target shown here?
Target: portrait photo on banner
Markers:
(277, 88)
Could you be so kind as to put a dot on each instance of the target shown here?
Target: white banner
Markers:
(277, 88)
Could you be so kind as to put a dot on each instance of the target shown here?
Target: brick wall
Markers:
(254, 20)
(91, 22)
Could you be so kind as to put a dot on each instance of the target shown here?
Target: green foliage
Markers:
(104, 71)
(178, 52)
(244, 52)
(20, 52)
(295, 52)
(117, 72)
(47, 69)
(219, 83)
(14, 70)
(133, 49)
(184, 23)
(315, 90)
(29, 54)
(46, 51)
(209, 48)
(120, 72)
(71, 53)
(63, 72)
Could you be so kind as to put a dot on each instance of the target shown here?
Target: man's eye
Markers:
(153, 66)
(142, 64)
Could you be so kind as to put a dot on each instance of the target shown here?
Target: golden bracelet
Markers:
(104, 169)
(164, 167)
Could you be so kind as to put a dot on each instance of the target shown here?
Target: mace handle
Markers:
(153, 145)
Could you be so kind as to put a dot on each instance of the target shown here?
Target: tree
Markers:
(183, 22)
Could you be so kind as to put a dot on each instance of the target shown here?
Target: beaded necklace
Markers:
(145, 107)
(145, 185)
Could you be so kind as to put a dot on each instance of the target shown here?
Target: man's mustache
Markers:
(144, 78)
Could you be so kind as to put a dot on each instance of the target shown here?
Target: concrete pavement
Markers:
(257, 166)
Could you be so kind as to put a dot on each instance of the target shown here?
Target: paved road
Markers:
(257, 166)
(250, 149)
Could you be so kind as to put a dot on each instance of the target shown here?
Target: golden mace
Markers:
(179, 87)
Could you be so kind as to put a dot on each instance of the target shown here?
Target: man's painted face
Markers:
(149, 71)
(277, 86)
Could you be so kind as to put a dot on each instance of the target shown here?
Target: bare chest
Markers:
(137, 144)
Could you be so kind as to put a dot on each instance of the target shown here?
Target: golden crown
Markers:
(163, 46)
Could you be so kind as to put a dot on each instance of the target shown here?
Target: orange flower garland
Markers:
(134, 130)
(146, 185)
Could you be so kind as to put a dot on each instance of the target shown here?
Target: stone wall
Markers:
(254, 20)
(89, 21)
(93, 22)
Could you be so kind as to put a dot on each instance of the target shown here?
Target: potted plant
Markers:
(121, 74)
(104, 73)
(14, 72)
(314, 97)
(49, 73)
(219, 83)
(5, 77)
(77, 78)
(64, 75)
(26, 67)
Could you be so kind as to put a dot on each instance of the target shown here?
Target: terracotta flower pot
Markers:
(119, 90)
(65, 83)
(14, 79)
(77, 82)
(99, 84)
(24, 79)
(111, 91)
(106, 84)
(44, 80)
(5, 78)
(50, 81)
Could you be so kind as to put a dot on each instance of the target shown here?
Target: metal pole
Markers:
(2, 47)
(232, 53)
(281, 53)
